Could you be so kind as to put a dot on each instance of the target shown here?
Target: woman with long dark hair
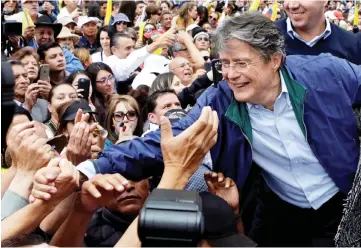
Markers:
(104, 38)
(103, 81)
(128, 8)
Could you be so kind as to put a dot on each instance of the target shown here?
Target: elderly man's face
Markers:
(44, 35)
(21, 81)
(246, 72)
(305, 14)
(32, 6)
(182, 68)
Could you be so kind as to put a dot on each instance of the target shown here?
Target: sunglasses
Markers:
(121, 22)
(119, 116)
(214, 18)
(206, 58)
(148, 30)
(202, 38)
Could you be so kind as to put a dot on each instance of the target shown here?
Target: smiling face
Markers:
(255, 81)
(105, 83)
(31, 66)
(55, 58)
(44, 35)
(306, 14)
(104, 40)
(166, 21)
(182, 68)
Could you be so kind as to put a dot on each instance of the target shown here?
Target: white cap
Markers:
(191, 27)
(85, 19)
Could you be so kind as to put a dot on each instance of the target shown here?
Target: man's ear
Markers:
(276, 61)
(113, 48)
(153, 118)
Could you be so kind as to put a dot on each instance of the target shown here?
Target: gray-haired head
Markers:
(252, 28)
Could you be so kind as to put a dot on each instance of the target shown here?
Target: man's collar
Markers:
(283, 90)
(291, 32)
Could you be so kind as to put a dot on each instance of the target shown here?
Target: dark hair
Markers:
(96, 97)
(166, 2)
(44, 47)
(128, 8)
(197, 30)
(23, 240)
(73, 75)
(202, 10)
(152, 99)
(51, 93)
(22, 111)
(109, 29)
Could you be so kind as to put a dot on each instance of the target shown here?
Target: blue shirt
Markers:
(289, 166)
(311, 43)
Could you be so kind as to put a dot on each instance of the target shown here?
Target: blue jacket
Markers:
(322, 90)
(72, 62)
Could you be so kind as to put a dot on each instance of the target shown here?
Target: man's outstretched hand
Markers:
(183, 154)
(224, 188)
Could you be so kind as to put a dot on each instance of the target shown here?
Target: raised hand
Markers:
(186, 151)
(16, 134)
(31, 96)
(223, 187)
(44, 88)
(101, 190)
(33, 153)
(55, 182)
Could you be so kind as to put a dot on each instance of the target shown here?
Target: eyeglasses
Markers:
(119, 116)
(202, 38)
(239, 67)
(121, 22)
(110, 79)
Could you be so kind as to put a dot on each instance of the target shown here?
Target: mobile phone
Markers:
(44, 72)
(217, 76)
(84, 83)
(208, 66)
(58, 142)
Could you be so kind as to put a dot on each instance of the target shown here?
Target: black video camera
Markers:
(171, 218)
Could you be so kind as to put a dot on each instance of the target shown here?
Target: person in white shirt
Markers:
(104, 36)
(69, 8)
(125, 60)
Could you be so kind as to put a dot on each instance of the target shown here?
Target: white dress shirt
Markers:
(289, 166)
(122, 68)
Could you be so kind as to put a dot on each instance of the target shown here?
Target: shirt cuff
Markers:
(11, 202)
(87, 168)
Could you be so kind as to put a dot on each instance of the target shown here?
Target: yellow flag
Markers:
(27, 21)
(141, 30)
(108, 14)
(274, 11)
(355, 18)
(60, 3)
(254, 6)
(338, 6)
